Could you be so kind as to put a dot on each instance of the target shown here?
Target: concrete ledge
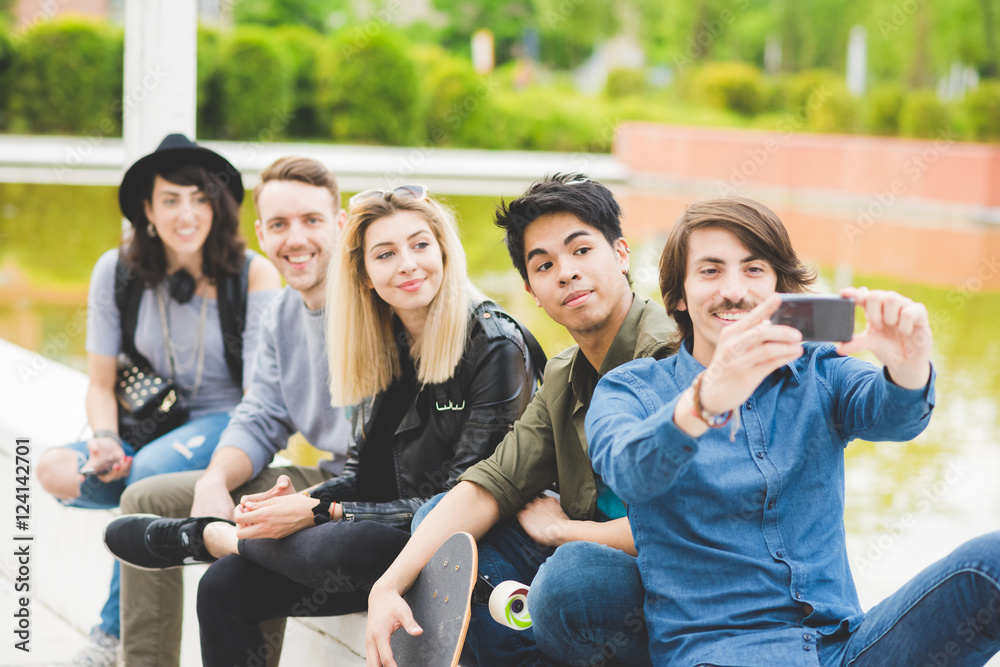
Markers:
(70, 569)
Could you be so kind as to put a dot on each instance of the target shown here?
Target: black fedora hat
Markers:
(174, 151)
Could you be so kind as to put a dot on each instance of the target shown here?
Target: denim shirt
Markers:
(741, 543)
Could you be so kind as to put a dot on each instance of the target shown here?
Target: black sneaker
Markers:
(150, 542)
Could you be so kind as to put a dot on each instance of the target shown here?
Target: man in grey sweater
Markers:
(299, 211)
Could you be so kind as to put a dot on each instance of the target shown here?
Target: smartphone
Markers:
(90, 471)
(818, 317)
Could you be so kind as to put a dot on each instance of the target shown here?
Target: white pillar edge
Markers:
(159, 94)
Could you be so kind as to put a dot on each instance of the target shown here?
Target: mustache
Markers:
(726, 304)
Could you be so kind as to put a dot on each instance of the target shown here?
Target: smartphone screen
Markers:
(818, 317)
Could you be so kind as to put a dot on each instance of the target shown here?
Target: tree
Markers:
(314, 14)
(569, 29)
(991, 62)
(507, 19)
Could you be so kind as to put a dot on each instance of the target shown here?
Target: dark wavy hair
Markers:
(223, 252)
(755, 225)
(588, 200)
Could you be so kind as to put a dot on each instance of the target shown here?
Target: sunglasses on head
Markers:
(416, 191)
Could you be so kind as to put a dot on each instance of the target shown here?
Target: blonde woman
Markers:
(438, 375)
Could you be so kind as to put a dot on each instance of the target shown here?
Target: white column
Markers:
(160, 83)
(482, 51)
(857, 60)
(772, 55)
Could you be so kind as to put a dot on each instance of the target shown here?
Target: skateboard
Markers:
(441, 602)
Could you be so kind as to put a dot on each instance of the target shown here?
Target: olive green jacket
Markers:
(548, 445)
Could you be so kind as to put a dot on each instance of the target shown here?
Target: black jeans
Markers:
(327, 570)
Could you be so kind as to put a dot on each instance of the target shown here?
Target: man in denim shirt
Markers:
(739, 528)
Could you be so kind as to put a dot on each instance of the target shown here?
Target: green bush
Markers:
(457, 99)
(808, 88)
(734, 86)
(542, 119)
(209, 114)
(6, 70)
(982, 111)
(923, 115)
(256, 86)
(68, 79)
(773, 94)
(884, 104)
(818, 101)
(367, 87)
(116, 72)
(834, 110)
(302, 45)
(623, 82)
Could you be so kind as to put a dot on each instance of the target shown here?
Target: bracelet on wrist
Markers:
(710, 419)
(321, 512)
(108, 433)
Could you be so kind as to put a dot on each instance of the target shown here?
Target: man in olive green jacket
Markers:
(586, 599)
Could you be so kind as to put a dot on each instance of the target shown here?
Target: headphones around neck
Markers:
(181, 286)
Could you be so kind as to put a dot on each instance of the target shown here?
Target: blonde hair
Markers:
(360, 342)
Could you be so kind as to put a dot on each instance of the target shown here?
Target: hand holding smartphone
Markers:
(90, 471)
(819, 317)
(107, 457)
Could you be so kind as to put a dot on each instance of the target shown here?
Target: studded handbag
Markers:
(148, 405)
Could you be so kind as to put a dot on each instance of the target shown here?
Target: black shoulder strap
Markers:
(232, 296)
(128, 296)
(538, 358)
(535, 351)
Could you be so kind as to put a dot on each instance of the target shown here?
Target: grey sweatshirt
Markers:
(288, 391)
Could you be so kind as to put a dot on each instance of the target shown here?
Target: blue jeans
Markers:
(946, 616)
(585, 602)
(188, 447)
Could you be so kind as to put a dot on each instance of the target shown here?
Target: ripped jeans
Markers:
(188, 447)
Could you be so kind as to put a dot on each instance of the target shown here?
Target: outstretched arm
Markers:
(898, 334)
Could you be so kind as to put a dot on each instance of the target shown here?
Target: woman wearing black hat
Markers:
(196, 297)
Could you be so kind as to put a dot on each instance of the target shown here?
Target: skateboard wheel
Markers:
(509, 605)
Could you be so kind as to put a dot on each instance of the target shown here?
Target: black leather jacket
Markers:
(450, 426)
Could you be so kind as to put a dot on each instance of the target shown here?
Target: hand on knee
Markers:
(58, 473)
